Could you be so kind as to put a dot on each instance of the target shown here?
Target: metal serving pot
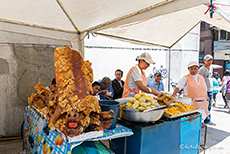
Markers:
(137, 116)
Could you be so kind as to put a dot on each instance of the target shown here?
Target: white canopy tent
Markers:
(160, 23)
(167, 30)
(71, 20)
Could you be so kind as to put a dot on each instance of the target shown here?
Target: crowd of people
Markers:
(135, 82)
(200, 84)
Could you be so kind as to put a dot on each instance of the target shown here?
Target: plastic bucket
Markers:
(107, 105)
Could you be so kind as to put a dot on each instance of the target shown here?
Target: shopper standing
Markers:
(227, 93)
(118, 84)
(216, 86)
(206, 71)
(223, 88)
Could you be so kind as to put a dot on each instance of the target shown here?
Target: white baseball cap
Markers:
(208, 57)
(193, 63)
(147, 57)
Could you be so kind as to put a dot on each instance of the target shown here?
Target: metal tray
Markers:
(180, 115)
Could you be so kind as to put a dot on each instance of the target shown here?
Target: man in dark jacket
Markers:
(118, 84)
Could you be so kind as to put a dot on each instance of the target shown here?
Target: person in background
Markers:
(54, 81)
(226, 83)
(216, 83)
(106, 90)
(96, 87)
(156, 83)
(135, 82)
(194, 88)
(206, 72)
(118, 84)
(223, 88)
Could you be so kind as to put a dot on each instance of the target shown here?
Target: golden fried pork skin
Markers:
(73, 126)
(69, 106)
(73, 75)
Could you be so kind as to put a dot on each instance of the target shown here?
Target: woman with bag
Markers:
(223, 88)
(226, 83)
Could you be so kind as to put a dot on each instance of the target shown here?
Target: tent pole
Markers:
(81, 43)
(169, 66)
(67, 15)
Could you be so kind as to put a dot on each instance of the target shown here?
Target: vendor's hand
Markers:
(173, 95)
(108, 94)
(102, 92)
(155, 92)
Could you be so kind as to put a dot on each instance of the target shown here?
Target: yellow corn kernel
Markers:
(143, 94)
(135, 104)
(132, 99)
(152, 106)
(129, 104)
(141, 108)
(137, 96)
(142, 99)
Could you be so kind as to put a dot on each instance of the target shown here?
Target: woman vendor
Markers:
(194, 88)
(135, 82)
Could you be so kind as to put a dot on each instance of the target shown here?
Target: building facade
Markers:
(215, 42)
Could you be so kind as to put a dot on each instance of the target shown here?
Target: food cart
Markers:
(38, 138)
(180, 136)
(61, 117)
(162, 133)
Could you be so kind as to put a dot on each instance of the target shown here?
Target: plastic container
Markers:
(107, 105)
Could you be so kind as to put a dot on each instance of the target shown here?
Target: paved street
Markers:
(218, 137)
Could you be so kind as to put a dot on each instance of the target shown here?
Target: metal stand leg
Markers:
(125, 145)
(109, 143)
(205, 137)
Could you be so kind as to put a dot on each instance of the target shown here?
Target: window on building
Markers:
(202, 25)
(223, 35)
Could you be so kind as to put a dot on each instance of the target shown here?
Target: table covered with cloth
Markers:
(38, 138)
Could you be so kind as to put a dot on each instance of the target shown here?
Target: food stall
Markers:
(145, 132)
(62, 116)
(67, 118)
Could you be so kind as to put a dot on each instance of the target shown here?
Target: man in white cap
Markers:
(206, 72)
(135, 82)
(194, 88)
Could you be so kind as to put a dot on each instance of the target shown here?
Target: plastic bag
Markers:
(223, 89)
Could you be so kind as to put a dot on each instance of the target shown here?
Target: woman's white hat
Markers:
(193, 63)
(147, 57)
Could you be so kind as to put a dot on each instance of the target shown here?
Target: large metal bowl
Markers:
(137, 116)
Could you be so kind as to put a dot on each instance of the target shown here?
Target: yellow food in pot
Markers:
(142, 102)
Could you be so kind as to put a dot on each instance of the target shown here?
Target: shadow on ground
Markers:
(221, 110)
(214, 136)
